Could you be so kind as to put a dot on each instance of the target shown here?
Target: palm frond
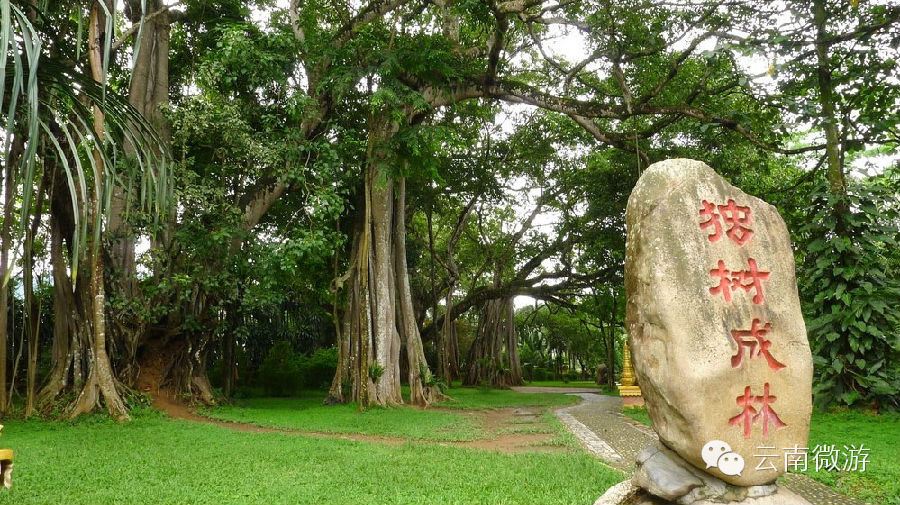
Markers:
(47, 99)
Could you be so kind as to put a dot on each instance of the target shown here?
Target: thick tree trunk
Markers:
(65, 371)
(512, 346)
(386, 338)
(374, 339)
(379, 302)
(101, 383)
(422, 390)
(149, 90)
(172, 361)
(493, 358)
(173, 364)
(148, 94)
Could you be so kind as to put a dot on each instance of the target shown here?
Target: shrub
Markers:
(851, 288)
(286, 373)
(317, 370)
(280, 374)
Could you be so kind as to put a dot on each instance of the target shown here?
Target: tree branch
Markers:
(133, 29)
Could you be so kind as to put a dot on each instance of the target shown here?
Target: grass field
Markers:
(309, 414)
(445, 422)
(483, 398)
(880, 483)
(601, 389)
(154, 459)
(564, 384)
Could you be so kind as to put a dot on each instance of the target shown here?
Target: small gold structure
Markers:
(6, 466)
(627, 384)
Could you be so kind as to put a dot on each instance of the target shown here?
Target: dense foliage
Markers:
(851, 284)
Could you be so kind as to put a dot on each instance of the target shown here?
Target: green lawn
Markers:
(447, 421)
(309, 414)
(483, 398)
(880, 483)
(156, 460)
(563, 384)
(601, 389)
(639, 414)
(456, 419)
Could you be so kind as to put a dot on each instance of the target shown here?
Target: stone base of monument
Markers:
(664, 478)
(6, 466)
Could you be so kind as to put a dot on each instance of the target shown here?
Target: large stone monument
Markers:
(718, 340)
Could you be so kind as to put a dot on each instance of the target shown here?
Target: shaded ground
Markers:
(507, 430)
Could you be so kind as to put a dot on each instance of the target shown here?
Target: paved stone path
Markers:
(601, 416)
(594, 444)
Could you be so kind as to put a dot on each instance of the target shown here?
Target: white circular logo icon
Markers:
(718, 454)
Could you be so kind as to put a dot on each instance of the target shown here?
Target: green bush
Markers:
(849, 281)
(280, 374)
(285, 373)
(572, 376)
(318, 369)
(540, 374)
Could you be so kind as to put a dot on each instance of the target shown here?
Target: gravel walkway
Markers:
(602, 417)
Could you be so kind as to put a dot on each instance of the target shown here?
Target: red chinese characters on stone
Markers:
(737, 218)
(756, 342)
(735, 222)
(749, 415)
(732, 280)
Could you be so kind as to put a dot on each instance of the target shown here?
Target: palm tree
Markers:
(72, 140)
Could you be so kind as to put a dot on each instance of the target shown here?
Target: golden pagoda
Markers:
(627, 384)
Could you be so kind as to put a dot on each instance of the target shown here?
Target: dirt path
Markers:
(501, 425)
